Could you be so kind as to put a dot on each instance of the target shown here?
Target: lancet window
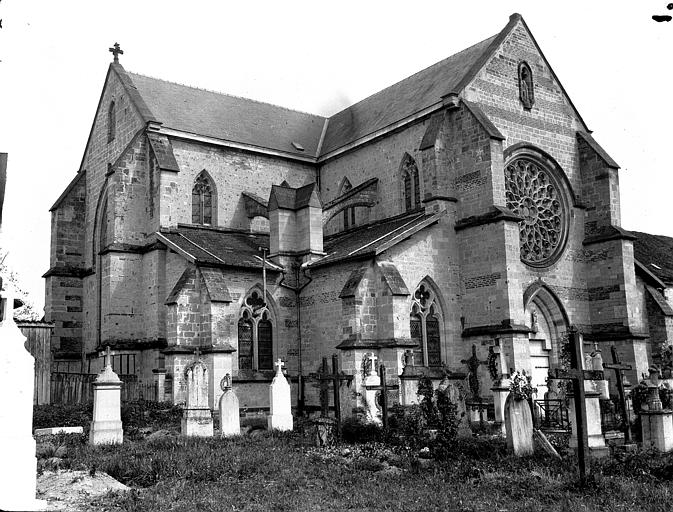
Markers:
(111, 122)
(526, 90)
(425, 321)
(202, 200)
(255, 335)
(411, 184)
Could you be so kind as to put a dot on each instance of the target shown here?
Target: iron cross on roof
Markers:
(116, 51)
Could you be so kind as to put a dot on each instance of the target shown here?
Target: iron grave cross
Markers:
(578, 376)
(324, 377)
(619, 368)
(473, 364)
(116, 51)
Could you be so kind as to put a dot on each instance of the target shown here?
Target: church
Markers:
(467, 209)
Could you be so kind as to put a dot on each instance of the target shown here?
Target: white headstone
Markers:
(197, 419)
(18, 471)
(106, 427)
(280, 417)
(519, 426)
(230, 419)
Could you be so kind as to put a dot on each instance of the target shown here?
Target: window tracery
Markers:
(202, 200)
(255, 335)
(425, 327)
(533, 192)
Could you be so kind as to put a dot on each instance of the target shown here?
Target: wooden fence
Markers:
(38, 336)
(77, 388)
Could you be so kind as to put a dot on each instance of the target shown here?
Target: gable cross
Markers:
(619, 369)
(116, 51)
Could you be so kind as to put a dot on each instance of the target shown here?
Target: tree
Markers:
(9, 278)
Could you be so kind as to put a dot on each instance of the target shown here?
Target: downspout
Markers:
(297, 292)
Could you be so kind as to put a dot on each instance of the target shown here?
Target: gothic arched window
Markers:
(411, 183)
(202, 200)
(255, 335)
(111, 122)
(424, 323)
(526, 92)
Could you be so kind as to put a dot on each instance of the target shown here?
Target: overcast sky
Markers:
(612, 58)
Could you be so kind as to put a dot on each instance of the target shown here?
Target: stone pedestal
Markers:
(657, 429)
(595, 439)
(519, 427)
(500, 394)
(280, 417)
(230, 418)
(197, 419)
(17, 373)
(106, 427)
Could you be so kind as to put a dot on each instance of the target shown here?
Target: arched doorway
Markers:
(548, 322)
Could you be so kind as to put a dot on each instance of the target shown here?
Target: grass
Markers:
(280, 472)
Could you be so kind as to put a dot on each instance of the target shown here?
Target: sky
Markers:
(613, 60)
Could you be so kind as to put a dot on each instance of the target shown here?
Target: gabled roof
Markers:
(229, 118)
(655, 253)
(289, 198)
(217, 247)
(373, 239)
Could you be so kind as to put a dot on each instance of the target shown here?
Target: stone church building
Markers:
(466, 206)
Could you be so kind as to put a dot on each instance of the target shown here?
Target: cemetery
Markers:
(153, 455)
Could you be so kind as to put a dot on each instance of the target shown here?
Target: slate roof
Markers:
(402, 99)
(294, 198)
(655, 253)
(241, 120)
(369, 240)
(217, 247)
(229, 118)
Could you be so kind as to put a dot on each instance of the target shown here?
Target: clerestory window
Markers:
(410, 183)
(202, 200)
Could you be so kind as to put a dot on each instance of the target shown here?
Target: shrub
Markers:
(356, 430)
(70, 415)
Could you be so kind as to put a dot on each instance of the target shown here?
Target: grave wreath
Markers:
(521, 387)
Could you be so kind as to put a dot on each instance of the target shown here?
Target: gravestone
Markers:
(197, 419)
(519, 427)
(280, 417)
(372, 388)
(18, 470)
(106, 427)
(656, 422)
(230, 418)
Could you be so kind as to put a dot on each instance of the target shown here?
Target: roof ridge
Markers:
(414, 74)
(212, 91)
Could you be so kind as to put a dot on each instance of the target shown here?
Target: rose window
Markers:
(533, 193)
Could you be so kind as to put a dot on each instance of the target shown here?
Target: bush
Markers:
(71, 415)
(356, 430)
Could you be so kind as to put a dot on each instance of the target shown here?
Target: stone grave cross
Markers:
(279, 365)
(473, 364)
(324, 377)
(116, 51)
(619, 369)
(577, 376)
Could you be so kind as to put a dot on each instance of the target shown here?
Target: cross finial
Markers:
(279, 365)
(116, 51)
(107, 356)
(197, 353)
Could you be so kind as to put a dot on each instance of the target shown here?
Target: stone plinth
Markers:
(595, 439)
(519, 427)
(17, 373)
(230, 418)
(280, 417)
(657, 429)
(106, 427)
(197, 419)
(500, 394)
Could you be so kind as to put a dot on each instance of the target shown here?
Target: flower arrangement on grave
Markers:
(521, 387)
